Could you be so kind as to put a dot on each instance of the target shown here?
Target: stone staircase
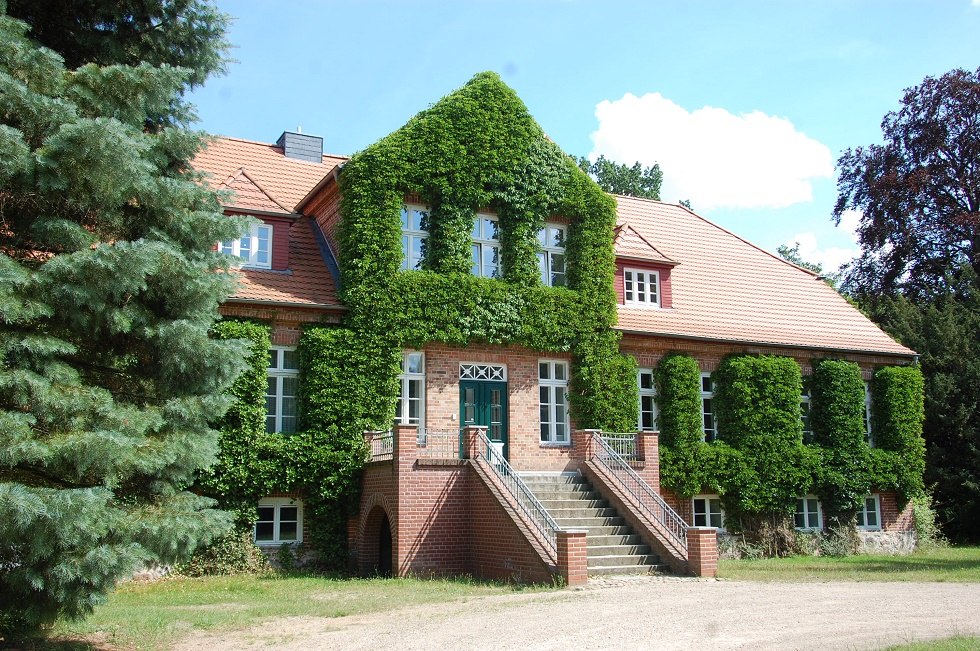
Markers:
(613, 547)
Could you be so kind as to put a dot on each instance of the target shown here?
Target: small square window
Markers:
(279, 520)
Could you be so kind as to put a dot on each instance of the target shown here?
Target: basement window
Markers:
(869, 515)
(280, 520)
(708, 512)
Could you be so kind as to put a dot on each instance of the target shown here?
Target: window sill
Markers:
(550, 444)
(267, 543)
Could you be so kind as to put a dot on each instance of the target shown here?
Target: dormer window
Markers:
(642, 288)
(486, 246)
(254, 248)
(551, 258)
(414, 220)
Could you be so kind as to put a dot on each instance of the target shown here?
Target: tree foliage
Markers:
(108, 376)
(919, 194)
(632, 180)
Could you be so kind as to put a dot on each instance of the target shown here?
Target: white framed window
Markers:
(486, 246)
(707, 408)
(868, 434)
(280, 520)
(551, 257)
(410, 409)
(648, 400)
(809, 516)
(281, 390)
(707, 511)
(641, 288)
(254, 248)
(805, 398)
(553, 390)
(869, 515)
(414, 234)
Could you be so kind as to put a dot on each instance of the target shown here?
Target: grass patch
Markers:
(956, 564)
(153, 615)
(949, 644)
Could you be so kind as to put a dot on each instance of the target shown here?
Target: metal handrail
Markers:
(382, 446)
(535, 511)
(643, 495)
(623, 444)
(439, 444)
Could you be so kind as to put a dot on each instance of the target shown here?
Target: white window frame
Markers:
(279, 373)
(547, 253)
(808, 525)
(412, 235)
(708, 498)
(278, 503)
(806, 400)
(641, 287)
(868, 433)
(483, 371)
(651, 394)
(708, 395)
(549, 407)
(862, 514)
(257, 233)
(405, 380)
(482, 243)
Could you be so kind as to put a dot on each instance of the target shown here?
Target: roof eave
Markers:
(911, 354)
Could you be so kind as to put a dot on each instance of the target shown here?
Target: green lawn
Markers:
(951, 644)
(152, 615)
(961, 564)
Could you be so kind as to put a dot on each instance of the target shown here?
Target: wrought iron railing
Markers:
(641, 492)
(382, 446)
(534, 511)
(439, 444)
(623, 444)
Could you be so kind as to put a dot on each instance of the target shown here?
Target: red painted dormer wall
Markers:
(666, 293)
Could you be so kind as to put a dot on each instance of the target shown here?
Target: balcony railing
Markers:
(439, 444)
(382, 445)
(623, 444)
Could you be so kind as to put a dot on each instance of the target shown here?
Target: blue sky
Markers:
(745, 105)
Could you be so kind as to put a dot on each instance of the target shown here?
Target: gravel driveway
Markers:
(643, 613)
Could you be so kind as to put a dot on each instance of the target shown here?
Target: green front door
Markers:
(485, 403)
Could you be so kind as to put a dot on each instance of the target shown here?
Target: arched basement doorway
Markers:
(384, 547)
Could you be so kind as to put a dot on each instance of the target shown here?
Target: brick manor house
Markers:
(485, 470)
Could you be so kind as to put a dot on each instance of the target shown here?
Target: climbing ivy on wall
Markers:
(478, 149)
(760, 464)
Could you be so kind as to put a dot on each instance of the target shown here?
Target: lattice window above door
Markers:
(495, 372)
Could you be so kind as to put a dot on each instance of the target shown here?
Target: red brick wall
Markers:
(893, 519)
(326, 210)
(286, 324)
(442, 399)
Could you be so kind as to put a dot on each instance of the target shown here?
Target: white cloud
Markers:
(710, 156)
(831, 257)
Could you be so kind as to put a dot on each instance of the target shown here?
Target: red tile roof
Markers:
(307, 282)
(630, 244)
(284, 181)
(725, 288)
(265, 181)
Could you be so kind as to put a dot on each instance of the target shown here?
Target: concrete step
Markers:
(583, 512)
(640, 549)
(549, 495)
(552, 480)
(602, 531)
(622, 561)
(589, 523)
(558, 505)
(614, 570)
(605, 540)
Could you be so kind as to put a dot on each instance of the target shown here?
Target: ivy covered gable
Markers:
(478, 150)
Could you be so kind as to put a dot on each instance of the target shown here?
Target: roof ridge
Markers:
(725, 230)
(273, 145)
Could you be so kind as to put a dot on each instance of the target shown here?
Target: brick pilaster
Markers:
(573, 564)
(582, 444)
(473, 441)
(648, 449)
(702, 551)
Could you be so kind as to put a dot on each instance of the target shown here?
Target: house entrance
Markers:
(484, 402)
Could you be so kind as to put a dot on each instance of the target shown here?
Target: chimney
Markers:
(301, 146)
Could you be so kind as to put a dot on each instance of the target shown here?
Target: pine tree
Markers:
(109, 285)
